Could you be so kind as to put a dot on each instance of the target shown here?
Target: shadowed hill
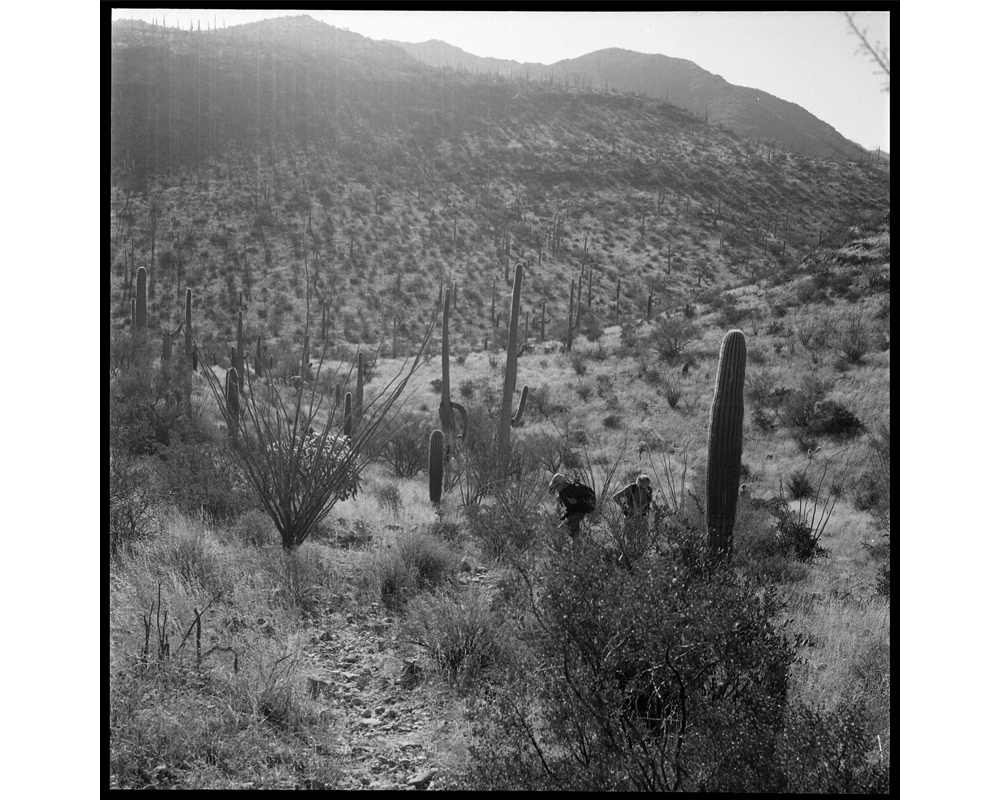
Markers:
(288, 160)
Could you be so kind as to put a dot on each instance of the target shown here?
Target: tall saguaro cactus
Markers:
(232, 398)
(569, 319)
(359, 394)
(141, 316)
(447, 419)
(435, 465)
(240, 347)
(725, 444)
(510, 377)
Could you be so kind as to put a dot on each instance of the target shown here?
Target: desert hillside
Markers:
(363, 308)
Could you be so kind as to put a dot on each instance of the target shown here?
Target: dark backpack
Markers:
(585, 495)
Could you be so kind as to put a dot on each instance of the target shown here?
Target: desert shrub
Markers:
(799, 406)
(253, 528)
(540, 401)
(668, 676)
(883, 586)
(854, 339)
(512, 522)
(200, 480)
(543, 449)
(459, 631)
(387, 497)
(407, 446)
(131, 502)
(629, 336)
(577, 362)
(797, 528)
(417, 562)
(612, 422)
(584, 389)
(672, 393)
(830, 752)
(671, 336)
(799, 485)
(467, 389)
(832, 418)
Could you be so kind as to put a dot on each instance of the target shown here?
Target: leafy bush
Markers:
(459, 631)
(799, 485)
(854, 339)
(671, 336)
(407, 446)
(833, 418)
(131, 501)
(199, 479)
(668, 676)
(512, 522)
(416, 563)
(387, 497)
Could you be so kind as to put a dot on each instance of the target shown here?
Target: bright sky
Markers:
(806, 57)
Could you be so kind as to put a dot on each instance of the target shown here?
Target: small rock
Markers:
(422, 779)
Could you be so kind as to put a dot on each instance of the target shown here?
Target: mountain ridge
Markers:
(682, 82)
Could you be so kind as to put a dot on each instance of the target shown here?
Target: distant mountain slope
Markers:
(678, 81)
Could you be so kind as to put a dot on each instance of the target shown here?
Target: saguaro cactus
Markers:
(435, 465)
(347, 415)
(725, 444)
(240, 347)
(510, 377)
(359, 395)
(569, 327)
(447, 419)
(141, 316)
(232, 397)
(188, 333)
(518, 420)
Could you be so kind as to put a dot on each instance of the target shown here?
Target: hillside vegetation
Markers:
(321, 191)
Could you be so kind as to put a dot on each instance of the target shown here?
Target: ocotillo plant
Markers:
(435, 465)
(510, 378)
(725, 444)
(447, 421)
(141, 317)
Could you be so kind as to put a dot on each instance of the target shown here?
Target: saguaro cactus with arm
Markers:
(725, 444)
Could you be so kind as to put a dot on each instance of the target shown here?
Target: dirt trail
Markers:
(389, 726)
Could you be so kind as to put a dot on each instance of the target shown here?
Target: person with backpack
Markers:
(577, 498)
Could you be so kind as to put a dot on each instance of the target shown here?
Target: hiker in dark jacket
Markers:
(577, 498)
